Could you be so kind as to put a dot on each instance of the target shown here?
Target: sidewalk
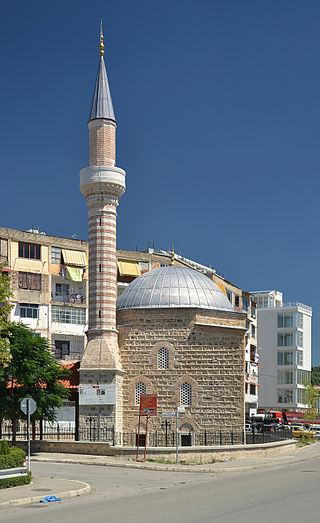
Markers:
(62, 488)
(39, 488)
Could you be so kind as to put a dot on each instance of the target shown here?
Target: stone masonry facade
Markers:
(205, 350)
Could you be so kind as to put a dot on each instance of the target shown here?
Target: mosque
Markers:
(172, 331)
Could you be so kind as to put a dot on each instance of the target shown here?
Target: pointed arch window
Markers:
(185, 394)
(163, 358)
(140, 389)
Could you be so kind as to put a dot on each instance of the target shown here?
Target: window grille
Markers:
(185, 394)
(140, 389)
(163, 358)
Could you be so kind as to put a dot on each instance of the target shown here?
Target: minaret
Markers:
(102, 184)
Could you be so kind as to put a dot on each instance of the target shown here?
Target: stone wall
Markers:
(205, 350)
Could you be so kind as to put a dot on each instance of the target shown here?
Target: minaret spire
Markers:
(101, 40)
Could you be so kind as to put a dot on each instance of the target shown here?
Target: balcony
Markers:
(77, 299)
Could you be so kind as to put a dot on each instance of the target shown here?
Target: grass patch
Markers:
(306, 440)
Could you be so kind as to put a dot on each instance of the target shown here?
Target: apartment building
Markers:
(284, 341)
(49, 283)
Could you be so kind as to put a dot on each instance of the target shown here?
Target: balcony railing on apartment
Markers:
(297, 304)
(67, 298)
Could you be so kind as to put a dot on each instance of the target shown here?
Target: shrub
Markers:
(11, 458)
(4, 448)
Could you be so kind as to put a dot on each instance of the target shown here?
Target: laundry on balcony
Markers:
(74, 273)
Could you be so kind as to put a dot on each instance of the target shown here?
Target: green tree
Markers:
(315, 376)
(33, 371)
(5, 306)
(311, 397)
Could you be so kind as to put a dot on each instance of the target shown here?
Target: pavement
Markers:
(63, 488)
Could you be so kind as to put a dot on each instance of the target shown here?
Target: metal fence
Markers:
(92, 431)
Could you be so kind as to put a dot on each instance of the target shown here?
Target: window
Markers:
(253, 331)
(285, 320)
(301, 393)
(285, 358)
(300, 339)
(285, 396)
(62, 289)
(285, 339)
(300, 320)
(68, 315)
(303, 375)
(252, 389)
(300, 358)
(236, 301)
(62, 348)
(285, 377)
(163, 358)
(55, 255)
(245, 304)
(29, 310)
(253, 312)
(185, 394)
(29, 250)
(229, 295)
(140, 389)
(29, 281)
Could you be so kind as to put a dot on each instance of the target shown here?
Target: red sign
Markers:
(148, 405)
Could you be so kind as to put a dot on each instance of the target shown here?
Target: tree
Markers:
(315, 376)
(311, 398)
(5, 307)
(32, 371)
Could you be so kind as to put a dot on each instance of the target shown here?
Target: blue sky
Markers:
(217, 104)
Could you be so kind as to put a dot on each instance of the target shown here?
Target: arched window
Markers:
(185, 394)
(140, 389)
(163, 358)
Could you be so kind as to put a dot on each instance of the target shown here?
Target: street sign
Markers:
(168, 414)
(24, 405)
(181, 409)
(148, 405)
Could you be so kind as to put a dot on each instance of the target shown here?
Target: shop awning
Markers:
(128, 268)
(77, 258)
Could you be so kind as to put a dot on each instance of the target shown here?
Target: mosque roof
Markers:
(173, 287)
(101, 106)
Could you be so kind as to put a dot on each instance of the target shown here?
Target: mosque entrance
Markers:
(186, 435)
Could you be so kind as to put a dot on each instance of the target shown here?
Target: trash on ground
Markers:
(48, 499)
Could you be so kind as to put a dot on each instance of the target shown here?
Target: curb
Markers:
(168, 468)
(36, 499)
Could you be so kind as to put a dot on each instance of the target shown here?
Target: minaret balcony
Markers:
(100, 177)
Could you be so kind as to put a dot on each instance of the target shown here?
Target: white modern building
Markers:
(284, 343)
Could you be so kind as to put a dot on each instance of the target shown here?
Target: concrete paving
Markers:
(62, 488)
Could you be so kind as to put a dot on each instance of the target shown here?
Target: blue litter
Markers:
(48, 499)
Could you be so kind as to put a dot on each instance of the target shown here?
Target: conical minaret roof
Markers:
(101, 106)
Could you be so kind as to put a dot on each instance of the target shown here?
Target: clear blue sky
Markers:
(218, 108)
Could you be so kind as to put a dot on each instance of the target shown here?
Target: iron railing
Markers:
(93, 432)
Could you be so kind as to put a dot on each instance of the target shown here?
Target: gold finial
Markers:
(101, 40)
(172, 255)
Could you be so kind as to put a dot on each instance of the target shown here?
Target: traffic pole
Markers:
(28, 415)
(177, 436)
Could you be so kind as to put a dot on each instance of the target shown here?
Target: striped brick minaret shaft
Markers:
(102, 184)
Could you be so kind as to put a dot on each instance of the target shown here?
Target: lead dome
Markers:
(173, 287)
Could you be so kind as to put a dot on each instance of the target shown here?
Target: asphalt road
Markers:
(286, 494)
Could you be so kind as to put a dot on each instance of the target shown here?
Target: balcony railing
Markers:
(68, 298)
